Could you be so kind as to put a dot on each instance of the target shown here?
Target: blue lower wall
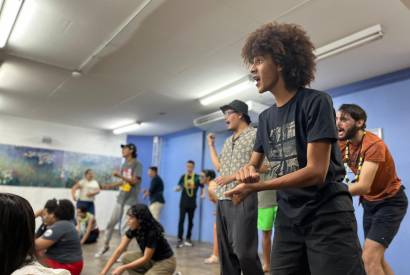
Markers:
(176, 150)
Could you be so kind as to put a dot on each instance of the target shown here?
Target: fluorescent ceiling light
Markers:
(127, 128)
(349, 42)
(230, 91)
(9, 12)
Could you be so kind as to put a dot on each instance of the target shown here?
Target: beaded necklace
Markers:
(359, 160)
(189, 185)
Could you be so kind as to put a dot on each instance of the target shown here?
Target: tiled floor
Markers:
(189, 259)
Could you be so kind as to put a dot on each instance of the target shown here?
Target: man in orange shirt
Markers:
(376, 182)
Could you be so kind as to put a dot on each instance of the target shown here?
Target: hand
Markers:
(146, 194)
(221, 180)
(247, 174)
(118, 271)
(239, 193)
(177, 188)
(211, 139)
(39, 213)
(105, 186)
(116, 174)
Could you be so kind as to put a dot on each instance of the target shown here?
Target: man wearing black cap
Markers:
(129, 185)
(236, 224)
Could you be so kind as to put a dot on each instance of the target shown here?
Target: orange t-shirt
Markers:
(386, 183)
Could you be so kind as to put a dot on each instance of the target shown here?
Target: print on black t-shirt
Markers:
(283, 136)
(282, 154)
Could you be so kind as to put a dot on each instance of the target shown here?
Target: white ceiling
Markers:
(171, 54)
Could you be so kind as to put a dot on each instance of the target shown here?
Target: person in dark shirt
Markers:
(188, 185)
(156, 256)
(315, 228)
(155, 193)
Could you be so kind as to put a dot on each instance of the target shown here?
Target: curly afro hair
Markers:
(290, 48)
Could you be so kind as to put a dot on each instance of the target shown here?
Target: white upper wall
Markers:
(27, 132)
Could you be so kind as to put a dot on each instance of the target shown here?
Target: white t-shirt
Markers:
(37, 269)
(87, 187)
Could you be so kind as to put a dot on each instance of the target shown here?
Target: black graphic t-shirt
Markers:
(283, 135)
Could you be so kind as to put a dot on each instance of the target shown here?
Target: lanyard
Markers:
(359, 160)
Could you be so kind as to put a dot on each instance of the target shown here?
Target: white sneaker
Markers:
(102, 251)
(188, 243)
(213, 259)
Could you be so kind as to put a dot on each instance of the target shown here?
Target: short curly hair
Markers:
(289, 46)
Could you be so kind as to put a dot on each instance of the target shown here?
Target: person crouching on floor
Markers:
(156, 256)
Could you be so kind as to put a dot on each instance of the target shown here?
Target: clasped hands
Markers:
(244, 177)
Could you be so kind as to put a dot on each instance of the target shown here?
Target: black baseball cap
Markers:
(130, 146)
(236, 105)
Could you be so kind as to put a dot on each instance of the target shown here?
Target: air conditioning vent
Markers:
(215, 122)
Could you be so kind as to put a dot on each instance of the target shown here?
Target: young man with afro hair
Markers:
(315, 228)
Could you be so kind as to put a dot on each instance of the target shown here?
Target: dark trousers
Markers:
(238, 237)
(182, 212)
(326, 244)
(87, 204)
(93, 237)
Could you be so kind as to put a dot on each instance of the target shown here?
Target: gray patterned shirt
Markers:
(235, 154)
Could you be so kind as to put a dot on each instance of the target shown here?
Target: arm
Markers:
(367, 175)
(254, 163)
(78, 225)
(38, 213)
(90, 226)
(43, 244)
(74, 189)
(133, 181)
(314, 173)
(213, 152)
(96, 192)
(125, 241)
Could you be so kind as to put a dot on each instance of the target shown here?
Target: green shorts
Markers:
(266, 218)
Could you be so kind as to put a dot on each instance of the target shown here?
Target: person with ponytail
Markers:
(156, 256)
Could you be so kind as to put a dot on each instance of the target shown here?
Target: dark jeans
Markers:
(182, 212)
(326, 244)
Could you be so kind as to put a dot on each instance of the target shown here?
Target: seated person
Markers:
(156, 257)
(86, 226)
(60, 240)
(40, 231)
(17, 252)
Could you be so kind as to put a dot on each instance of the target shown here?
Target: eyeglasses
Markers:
(229, 112)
